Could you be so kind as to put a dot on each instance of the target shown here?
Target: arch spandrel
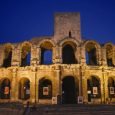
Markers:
(25, 44)
(71, 42)
(96, 76)
(45, 78)
(108, 44)
(7, 48)
(8, 45)
(47, 43)
(75, 77)
(92, 42)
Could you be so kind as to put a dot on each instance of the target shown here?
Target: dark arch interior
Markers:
(68, 55)
(111, 87)
(7, 61)
(91, 57)
(5, 89)
(24, 89)
(46, 56)
(45, 89)
(25, 61)
(69, 90)
(91, 85)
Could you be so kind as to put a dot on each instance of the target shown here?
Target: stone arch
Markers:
(46, 47)
(111, 87)
(109, 47)
(92, 52)
(93, 87)
(7, 61)
(24, 88)
(45, 88)
(69, 51)
(25, 54)
(46, 40)
(71, 91)
(73, 42)
(5, 86)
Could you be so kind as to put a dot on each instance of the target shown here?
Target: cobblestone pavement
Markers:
(59, 110)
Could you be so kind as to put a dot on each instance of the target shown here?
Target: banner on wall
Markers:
(45, 91)
(6, 90)
(112, 90)
(95, 90)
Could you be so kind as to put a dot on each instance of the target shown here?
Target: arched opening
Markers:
(91, 57)
(7, 56)
(46, 53)
(109, 55)
(24, 89)
(26, 55)
(69, 90)
(68, 55)
(5, 89)
(45, 89)
(111, 87)
(93, 88)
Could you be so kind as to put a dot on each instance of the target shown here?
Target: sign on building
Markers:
(54, 100)
(80, 99)
(95, 90)
(112, 90)
(45, 91)
(6, 90)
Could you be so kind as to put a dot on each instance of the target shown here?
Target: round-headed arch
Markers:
(69, 48)
(24, 88)
(7, 54)
(91, 43)
(5, 85)
(46, 43)
(92, 52)
(45, 88)
(109, 47)
(70, 42)
(25, 53)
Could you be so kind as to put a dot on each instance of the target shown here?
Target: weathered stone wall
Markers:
(57, 71)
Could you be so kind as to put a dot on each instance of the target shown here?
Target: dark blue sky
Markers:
(23, 19)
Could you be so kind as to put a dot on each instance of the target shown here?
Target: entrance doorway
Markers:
(69, 91)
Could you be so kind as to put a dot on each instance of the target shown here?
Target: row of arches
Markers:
(69, 52)
(69, 92)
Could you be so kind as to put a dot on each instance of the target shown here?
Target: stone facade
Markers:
(78, 67)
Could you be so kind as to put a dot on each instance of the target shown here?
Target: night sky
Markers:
(22, 20)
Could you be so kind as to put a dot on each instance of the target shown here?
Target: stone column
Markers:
(16, 56)
(14, 86)
(35, 54)
(57, 55)
(1, 55)
(106, 87)
(80, 81)
(104, 59)
(113, 57)
(33, 86)
(83, 58)
(38, 55)
(77, 54)
(98, 55)
(102, 86)
(84, 88)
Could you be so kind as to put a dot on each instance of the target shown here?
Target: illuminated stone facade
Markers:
(77, 67)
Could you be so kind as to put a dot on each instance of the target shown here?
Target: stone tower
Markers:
(67, 25)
